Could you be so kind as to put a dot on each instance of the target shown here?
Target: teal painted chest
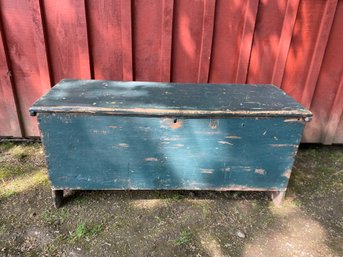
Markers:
(146, 135)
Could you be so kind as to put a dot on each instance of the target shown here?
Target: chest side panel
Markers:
(111, 152)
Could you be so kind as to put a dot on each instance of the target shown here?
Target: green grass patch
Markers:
(8, 170)
(54, 216)
(185, 237)
(5, 146)
(173, 197)
(84, 230)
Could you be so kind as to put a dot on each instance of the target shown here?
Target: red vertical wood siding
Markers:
(109, 23)
(23, 31)
(9, 119)
(152, 34)
(66, 33)
(232, 40)
(294, 44)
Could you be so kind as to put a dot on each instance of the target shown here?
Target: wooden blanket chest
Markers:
(146, 135)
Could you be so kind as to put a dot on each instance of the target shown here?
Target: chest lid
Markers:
(168, 99)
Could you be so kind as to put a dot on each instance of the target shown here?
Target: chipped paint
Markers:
(65, 119)
(207, 171)
(171, 123)
(124, 145)
(169, 112)
(260, 171)
(151, 159)
(169, 139)
(224, 143)
(207, 132)
(283, 145)
(287, 173)
(293, 120)
(213, 123)
(157, 155)
(242, 168)
(233, 137)
(100, 131)
(114, 127)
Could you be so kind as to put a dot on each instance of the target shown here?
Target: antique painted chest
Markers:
(146, 135)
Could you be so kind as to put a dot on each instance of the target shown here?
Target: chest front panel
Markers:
(121, 152)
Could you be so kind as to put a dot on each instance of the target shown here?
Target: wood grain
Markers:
(152, 34)
(168, 99)
(326, 104)
(206, 41)
(192, 36)
(22, 25)
(107, 152)
(293, 44)
(319, 50)
(246, 44)
(310, 37)
(110, 39)
(272, 38)
(9, 119)
(285, 41)
(67, 37)
(231, 55)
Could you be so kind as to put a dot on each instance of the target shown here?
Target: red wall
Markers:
(296, 45)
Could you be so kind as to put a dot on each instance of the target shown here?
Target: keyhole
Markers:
(175, 120)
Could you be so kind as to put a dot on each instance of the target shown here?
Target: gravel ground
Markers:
(171, 223)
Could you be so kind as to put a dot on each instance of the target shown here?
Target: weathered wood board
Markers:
(168, 99)
(144, 135)
(108, 152)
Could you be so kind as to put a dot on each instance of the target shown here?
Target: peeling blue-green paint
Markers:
(117, 152)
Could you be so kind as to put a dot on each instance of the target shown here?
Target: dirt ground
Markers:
(165, 223)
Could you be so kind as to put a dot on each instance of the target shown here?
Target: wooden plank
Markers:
(285, 41)
(152, 28)
(188, 36)
(126, 35)
(67, 37)
(335, 116)
(247, 38)
(318, 53)
(152, 155)
(206, 41)
(307, 48)
(166, 40)
(232, 38)
(271, 20)
(9, 119)
(40, 46)
(325, 104)
(22, 26)
(338, 139)
(110, 39)
(168, 99)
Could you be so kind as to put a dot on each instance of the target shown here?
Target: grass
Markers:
(185, 237)
(84, 230)
(174, 196)
(5, 146)
(21, 167)
(9, 171)
(174, 223)
(23, 183)
(55, 216)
